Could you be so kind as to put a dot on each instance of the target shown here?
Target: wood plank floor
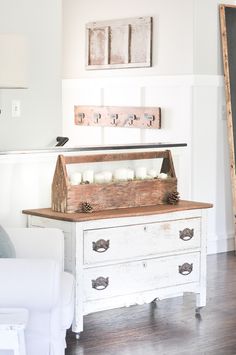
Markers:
(168, 327)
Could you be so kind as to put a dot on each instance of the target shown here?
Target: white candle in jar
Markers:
(141, 172)
(107, 176)
(121, 174)
(88, 175)
(99, 178)
(163, 176)
(130, 174)
(152, 173)
(75, 178)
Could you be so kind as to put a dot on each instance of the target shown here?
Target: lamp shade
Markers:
(13, 61)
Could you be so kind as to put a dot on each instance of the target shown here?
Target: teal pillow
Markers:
(7, 249)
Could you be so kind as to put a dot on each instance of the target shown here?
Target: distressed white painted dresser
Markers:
(131, 256)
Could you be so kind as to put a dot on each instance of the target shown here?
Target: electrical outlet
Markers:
(15, 108)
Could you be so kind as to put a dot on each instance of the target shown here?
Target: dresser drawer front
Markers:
(128, 278)
(120, 243)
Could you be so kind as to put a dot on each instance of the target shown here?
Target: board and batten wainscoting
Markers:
(193, 111)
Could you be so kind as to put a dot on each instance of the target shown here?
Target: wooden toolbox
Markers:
(70, 198)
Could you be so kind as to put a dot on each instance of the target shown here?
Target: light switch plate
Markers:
(16, 108)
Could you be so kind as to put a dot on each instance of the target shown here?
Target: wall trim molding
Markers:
(175, 80)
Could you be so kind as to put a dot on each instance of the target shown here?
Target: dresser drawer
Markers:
(139, 276)
(128, 242)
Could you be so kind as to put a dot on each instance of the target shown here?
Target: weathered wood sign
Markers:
(119, 43)
(228, 35)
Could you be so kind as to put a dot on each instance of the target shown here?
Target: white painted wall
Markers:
(186, 38)
(210, 160)
(193, 105)
(40, 122)
(172, 35)
(207, 42)
(185, 81)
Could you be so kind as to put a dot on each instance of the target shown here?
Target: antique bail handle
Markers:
(186, 234)
(100, 283)
(101, 245)
(186, 269)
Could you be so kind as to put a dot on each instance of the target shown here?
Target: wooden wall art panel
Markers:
(119, 43)
(115, 116)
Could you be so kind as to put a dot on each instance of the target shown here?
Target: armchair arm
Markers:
(29, 283)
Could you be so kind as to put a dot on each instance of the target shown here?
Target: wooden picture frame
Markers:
(124, 43)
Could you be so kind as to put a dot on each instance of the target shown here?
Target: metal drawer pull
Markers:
(186, 234)
(100, 283)
(101, 245)
(185, 269)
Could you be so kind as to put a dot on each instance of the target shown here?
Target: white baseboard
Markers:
(222, 245)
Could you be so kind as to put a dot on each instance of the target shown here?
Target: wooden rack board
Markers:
(114, 116)
(116, 194)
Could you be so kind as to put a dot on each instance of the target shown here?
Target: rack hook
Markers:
(96, 117)
(114, 118)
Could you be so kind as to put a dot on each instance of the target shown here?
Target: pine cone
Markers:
(172, 198)
(86, 207)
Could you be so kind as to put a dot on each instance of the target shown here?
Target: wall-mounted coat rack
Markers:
(115, 116)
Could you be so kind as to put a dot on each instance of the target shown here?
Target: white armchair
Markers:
(35, 280)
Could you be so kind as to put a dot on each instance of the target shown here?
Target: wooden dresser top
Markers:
(117, 213)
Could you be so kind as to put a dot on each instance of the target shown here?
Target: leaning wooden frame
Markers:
(228, 38)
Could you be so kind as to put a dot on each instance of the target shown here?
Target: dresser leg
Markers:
(201, 299)
(198, 310)
(77, 325)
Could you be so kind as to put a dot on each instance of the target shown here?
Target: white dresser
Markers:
(132, 256)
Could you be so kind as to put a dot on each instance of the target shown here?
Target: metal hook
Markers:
(114, 117)
(131, 118)
(81, 116)
(96, 117)
(150, 119)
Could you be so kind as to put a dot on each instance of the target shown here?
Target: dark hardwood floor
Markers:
(168, 327)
